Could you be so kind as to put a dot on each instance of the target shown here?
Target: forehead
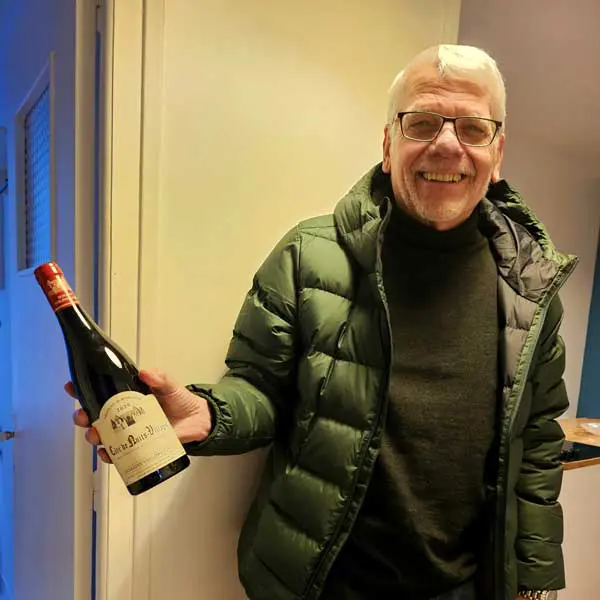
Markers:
(450, 97)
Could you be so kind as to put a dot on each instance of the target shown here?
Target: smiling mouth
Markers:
(442, 177)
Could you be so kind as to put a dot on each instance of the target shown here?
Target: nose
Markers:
(446, 142)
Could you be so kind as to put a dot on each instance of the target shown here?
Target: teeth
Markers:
(443, 177)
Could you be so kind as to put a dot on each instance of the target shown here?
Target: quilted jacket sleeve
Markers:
(253, 396)
(540, 520)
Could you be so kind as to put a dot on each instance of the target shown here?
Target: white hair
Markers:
(452, 62)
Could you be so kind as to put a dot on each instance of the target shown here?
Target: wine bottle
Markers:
(132, 426)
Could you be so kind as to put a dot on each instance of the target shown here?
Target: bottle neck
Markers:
(57, 290)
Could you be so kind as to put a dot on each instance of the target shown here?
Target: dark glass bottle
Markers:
(132, 425)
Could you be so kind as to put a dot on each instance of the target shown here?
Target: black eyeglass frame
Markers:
(445, 120)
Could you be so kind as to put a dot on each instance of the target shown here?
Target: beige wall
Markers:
(551, 157)
(552, 151)
(270, 113)
(582, 531)
(565, 198)
(255, 114)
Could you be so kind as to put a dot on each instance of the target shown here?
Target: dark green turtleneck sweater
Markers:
(418, 532)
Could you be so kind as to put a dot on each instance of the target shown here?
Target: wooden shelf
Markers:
(574, 432)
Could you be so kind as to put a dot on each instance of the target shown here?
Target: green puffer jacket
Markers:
(308, 373)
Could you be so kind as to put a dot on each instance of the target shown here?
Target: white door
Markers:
(46, 107)
(6, 420)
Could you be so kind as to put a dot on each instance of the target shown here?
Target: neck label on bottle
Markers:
(58, 291)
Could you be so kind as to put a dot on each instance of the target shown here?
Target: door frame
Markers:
(121, 26)
(86, 24)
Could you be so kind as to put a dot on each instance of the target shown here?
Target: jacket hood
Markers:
(525, 255)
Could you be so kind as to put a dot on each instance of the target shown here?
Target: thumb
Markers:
(159, 382)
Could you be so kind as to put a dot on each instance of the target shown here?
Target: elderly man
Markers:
(402, 358)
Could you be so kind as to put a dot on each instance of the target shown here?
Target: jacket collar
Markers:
(525, 256)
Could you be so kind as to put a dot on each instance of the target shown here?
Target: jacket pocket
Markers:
(306, 419)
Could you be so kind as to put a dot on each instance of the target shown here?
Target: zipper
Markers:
(380, 405)
(503, 475)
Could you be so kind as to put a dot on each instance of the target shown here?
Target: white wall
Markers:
(256, 114)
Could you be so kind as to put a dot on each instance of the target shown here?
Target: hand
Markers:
(188, 413)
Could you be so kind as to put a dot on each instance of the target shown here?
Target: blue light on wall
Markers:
(589, 396)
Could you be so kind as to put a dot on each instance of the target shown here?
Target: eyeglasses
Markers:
(422, 126)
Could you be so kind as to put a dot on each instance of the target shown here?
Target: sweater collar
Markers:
(404, 230)
(525, 255)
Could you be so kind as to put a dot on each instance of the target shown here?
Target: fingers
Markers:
(160, 383)
(103, 454)
(70, 389)
(80, 418)
(91, 435)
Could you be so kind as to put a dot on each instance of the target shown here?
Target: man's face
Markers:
(442, 205)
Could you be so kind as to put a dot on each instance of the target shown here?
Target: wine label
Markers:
(137, 435)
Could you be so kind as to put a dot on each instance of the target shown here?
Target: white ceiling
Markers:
(549, 54)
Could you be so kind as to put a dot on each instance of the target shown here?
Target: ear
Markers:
(500, 153)
(387, 141)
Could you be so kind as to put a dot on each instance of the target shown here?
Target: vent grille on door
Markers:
(37, 182)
